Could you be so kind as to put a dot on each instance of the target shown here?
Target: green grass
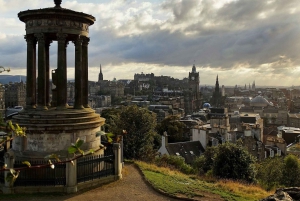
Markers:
(175, 183)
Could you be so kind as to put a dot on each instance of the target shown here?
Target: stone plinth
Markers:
(53, 131)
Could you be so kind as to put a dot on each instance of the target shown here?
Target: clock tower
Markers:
(194, 81)
(193, 96)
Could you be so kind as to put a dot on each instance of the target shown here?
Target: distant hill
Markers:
(5, 79)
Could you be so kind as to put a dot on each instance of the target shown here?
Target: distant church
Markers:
(193, 100)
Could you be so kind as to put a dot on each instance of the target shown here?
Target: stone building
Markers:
(15, 94)
(294, 120)
(193, 102)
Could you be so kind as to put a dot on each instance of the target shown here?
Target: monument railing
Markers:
(95, 167)
(44, 176)
(65, 177)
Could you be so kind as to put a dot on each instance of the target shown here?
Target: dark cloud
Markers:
(244, 32)
(251, 40)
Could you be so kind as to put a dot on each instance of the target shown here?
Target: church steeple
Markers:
(100, 78)
(217, 87)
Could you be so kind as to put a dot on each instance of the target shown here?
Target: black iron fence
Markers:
(90, 167)
(44, 176)
(95, 167)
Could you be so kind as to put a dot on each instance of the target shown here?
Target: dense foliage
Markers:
(174, 162)
(230, 161)
(279, 171)
(174, 128)
(140, 125)
(269, 172)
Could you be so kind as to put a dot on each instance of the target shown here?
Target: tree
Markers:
(232, 161)
(140, 125)
(111, 116)
(205, 162)
(291, 171)
(270, 172)
(174, 128)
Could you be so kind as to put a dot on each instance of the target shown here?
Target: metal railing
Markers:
(95, 167)
(44, 176)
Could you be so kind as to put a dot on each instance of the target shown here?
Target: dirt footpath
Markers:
(132, 187)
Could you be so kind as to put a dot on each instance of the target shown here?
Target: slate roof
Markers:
(188, 150)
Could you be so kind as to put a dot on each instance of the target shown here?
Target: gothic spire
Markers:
(100, 77)
(217, 87)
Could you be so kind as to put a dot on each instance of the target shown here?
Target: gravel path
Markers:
(132, 187)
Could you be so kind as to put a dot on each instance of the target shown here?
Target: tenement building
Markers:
(15, 94)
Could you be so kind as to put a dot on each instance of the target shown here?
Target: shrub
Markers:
(232, 161)
(174, 162)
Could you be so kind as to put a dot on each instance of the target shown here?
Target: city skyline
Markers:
(239, 40)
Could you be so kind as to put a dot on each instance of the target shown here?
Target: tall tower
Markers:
(193, 96)
(100, 77)
(253, 86)
(194, 81)
(217, 86)
(216, 99)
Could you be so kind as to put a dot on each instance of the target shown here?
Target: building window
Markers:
(271, 153)
(265, 154)
(229, 137)
(278, 152)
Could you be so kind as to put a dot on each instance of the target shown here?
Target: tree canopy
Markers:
(229, 161)
(232, 161)
(140, 124)
(173, 127)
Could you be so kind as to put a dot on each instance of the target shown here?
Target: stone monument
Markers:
(53, 125)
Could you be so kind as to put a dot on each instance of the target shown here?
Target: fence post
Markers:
(71, 177)
(118, 163)
(9, 160)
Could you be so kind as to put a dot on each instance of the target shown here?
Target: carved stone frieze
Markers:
(37, 23)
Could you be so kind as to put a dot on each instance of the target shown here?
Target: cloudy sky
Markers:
(240, 40)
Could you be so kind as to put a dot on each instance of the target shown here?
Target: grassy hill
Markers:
(178, 184)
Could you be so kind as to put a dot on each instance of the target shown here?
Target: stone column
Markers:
(118, 163)
(41, 71)
(78, 73)
(71, 177)
(61, 71)
(85, 74)
(47, 73)
(31, 68)
(9, 160)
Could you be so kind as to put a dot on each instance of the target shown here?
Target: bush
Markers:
(291, 171)
(174, 162)
(232, 161)
(270, 173)
(204, 163)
